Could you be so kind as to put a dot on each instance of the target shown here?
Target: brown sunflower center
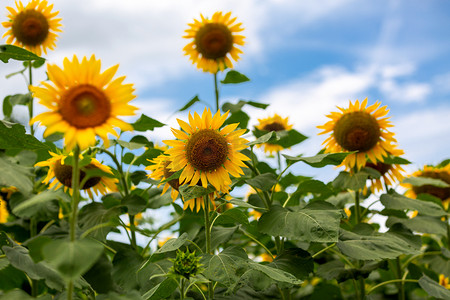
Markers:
(275, 126)
(30, 27)
(382, 168)
(64, 175)
(214, 40)
(441, 193)
(84, 106)
(207, 150)
(357, 131)
(174, 183)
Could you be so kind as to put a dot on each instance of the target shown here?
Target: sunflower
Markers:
(160, 171)
(3, 211)
(443, 193)
(274, 123)
(390, 174)
(206, 153)
(444, 281)
(60, 175)
(214, 42)
(361, 129)
(32, 26)
(84, 103)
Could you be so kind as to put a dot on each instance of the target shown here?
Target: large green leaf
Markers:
(145, 123)
(355, 181)
(20, 259)
(308, 225)
(264, 138)
(8, 52)
(400, 202)
(231, 216)
(12, 174)
(424, 224)
(72, 259)
(373, 247)
(99, 275)
(162, 290)
(173, 244)
(239, 117)
(21, 295)
(126, 263)
(433, 288)
(420, 181)
(295, 261)
(18, 99)
(190, 192)
(319, 160)
(134, 203)
(274, 273)
(95, 214)
(263, 182)
(39, 202)
(234, 77)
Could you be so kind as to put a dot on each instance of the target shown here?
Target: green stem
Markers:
(258, 242)
(420, 255)
(30, 104)
(323, 250)
(182, 288)
(216, 89)
(391, 281)
(448, 233)
(162, 228)
(401, 286)
(208, 240)
(357, 208)
(33, 233)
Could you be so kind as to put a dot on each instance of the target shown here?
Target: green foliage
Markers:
(145, 123)
(8, 52)
(234, 77)
(13, 136)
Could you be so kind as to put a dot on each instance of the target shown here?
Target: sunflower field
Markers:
(82, 187)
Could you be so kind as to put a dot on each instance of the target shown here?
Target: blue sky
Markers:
(303, 58)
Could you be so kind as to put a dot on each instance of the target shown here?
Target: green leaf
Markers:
(21, 295)
(12, 174)
(20, 259)
(145, 123)
(391, 160)
(10, 101)
(424, 224)
(138, 176)
(173, 244)
(221, 235)
(373, 247)
(190, 192)
(126, 263)
(234, 77)
(289, 138)
(8, 52)
(134, 203)
(264, 138)
(3, 263)
(241, 203)
(295, 261)
(400, 202)
(130, 145)
(128, 295)
(275, 274)
(263, 182)
(313, 186)
(94, 214)
(13, 136)
(308, 225)
(33, 205)
(433, 288)
(238, 117)
(238, 106)
(231, 216)
(420, 181)
(190, 103)
(99, 275)
(319, 160)
(72, 259)
(162, 290)
(355, 181)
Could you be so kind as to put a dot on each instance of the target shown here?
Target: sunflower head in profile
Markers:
(161, 171)
(442, 173)
(361, 129)
(60, 175)
(206, 153)
(84, 102)
(390, 175)
(274, 123)
(33, 26)
(214, 42)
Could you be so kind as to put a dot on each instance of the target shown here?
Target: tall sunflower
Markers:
(206, 153)
(390, 174)
(33, 26)
(214, 42)
(442, 173)
(274, 123)
(361, 129)
(160, 171)
(60, 175)
(84, 102)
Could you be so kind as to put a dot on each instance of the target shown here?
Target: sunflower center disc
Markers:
(64, 175)
(441, 193)
(207, 150)
(30, 27)
(357, 131)
(275, 126)
(85, 106)
(382, 168)
(174, 183)
(214, 40)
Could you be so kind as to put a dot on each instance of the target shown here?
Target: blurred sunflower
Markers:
(362, 129)
(274, 123)
(160, 171)
(214, 41)
(444, 281)
(443, 193)
(84, 103)
(60, 175)
(390, 174)
(32, 26)
(5, 194)
(206, 153)
(3, 211)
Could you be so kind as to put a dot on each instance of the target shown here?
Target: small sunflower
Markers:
(362, 129)
(84, 103)
(33, 26)
(443, 193)
(274, 123)
(160, 171)
(206, 153)
(60, 175)
(444, 281)
(3, 211)
(214, 42)
(390, 174)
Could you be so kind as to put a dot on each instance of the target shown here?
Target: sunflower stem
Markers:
(216, 89)
(30, 104)
(448, 233)
(362, 286)
(208, 240)
(75, 200)
(401, 286)
(33, 232)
